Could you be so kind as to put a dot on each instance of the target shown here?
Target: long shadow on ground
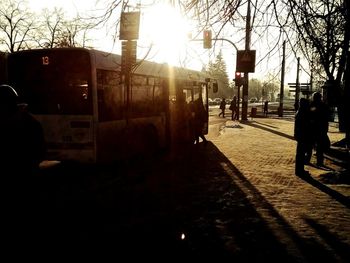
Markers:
(337, 156)
(194, 206)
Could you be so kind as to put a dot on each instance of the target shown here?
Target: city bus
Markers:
(3, 68)
(92, 113)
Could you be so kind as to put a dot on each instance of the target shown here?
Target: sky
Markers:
(71, 6)
(169, 40)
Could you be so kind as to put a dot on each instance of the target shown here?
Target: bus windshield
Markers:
(53, 81)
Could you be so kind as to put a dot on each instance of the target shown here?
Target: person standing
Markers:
(22, 143)
(22, 148)
(222, 107)
(302, 134)
(319, 124)
(266, 108)
(233, 108)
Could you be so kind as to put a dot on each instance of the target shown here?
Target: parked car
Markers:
(217, 101)
(210, 102)
(253, 100)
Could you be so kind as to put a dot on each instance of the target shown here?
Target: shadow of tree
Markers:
(331, 239)
(196, 205)
(269, 129)
(337, 156)
(336, 195)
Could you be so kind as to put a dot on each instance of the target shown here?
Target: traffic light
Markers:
(207, 39)
(238, 79)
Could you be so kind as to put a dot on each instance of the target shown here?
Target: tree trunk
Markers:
(346, 99)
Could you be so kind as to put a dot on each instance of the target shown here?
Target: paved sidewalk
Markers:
(262, 150)
(234, 199)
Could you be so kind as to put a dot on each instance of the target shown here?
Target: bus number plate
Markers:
(45, 60)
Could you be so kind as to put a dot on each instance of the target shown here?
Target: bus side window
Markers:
(196, 93)
(79, 90)
(101, 105)
(142, 103)
(85, 93)
(158, 99)
(109, 95)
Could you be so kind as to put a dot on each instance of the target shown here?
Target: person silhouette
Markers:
(233, 108)
(22, 148)
(222, 107)
(21, 136)
(319, 124)
(200, 117)
(266, 108)
(302, 134)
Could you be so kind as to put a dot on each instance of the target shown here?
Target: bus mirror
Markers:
(215, 87)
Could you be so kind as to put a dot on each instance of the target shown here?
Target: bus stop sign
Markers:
(129, 25)
(245, 61)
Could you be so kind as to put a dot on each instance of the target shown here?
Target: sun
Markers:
(167, 30)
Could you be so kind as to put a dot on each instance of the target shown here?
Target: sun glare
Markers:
(167, 30)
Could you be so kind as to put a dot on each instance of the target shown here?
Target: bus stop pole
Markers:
(246, 74)
(280, 108)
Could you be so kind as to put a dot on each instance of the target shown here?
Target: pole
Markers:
(280, 109)
(238, 101)
(246, 78)
(128, 90)
(311, 78)
(297, 87)
(127, 80)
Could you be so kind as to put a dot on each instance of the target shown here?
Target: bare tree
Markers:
(319, 29)
(58, 31)
(73, 34)
(51, 28)
(323, 36)
(16, 23)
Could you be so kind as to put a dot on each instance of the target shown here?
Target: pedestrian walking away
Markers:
(199, 120)
(266, 108)
(233, 108)
(222, 108)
